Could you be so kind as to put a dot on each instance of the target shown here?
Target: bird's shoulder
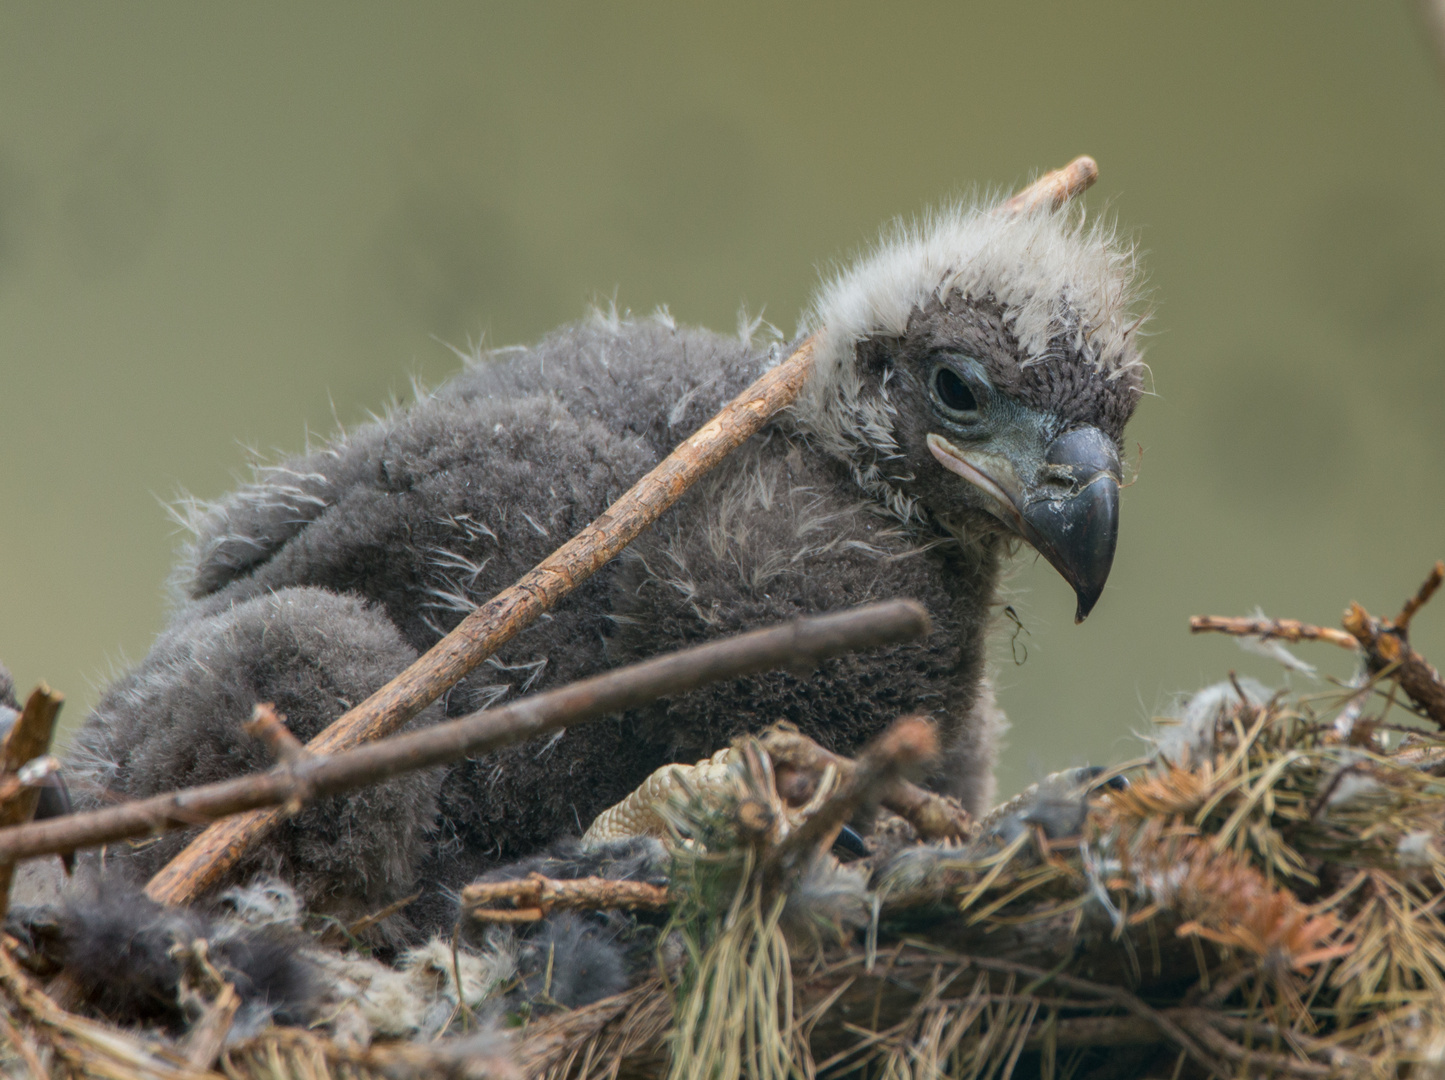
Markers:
(533, 441)
(776, 531)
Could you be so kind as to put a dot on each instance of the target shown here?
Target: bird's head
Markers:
(978, 368)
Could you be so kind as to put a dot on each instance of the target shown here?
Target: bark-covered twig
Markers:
(1291, 630)
(27, 739)
(933, 817)
(1386, 645)
(791, 645)
(535, 896)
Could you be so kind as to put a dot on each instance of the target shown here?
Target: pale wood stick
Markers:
(535, 896)
(220, 847)
(791, 645)
(1053, 189)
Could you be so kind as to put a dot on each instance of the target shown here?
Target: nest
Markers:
(1259, 898)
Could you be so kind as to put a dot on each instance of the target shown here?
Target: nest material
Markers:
(1262, 900)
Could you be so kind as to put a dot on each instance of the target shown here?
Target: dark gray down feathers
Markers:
(176, 720)
(326, 576)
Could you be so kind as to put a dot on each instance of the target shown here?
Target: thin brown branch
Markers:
(1291, 630)
(792, 645)
(27, 739)
(537, 896)
(1053, 189)
(366, 922)
(1421, 597)
(480, 634)
(1253, 1030)
(933, 817)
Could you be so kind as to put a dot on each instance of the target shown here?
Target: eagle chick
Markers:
(972, 379)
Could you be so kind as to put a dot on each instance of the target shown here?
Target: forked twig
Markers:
(1384, 643)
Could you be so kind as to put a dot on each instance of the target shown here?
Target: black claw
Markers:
(850, 843)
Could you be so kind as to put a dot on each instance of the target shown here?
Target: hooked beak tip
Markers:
(1078, 536)
(1077, 530)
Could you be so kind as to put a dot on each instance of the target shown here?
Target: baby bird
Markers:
(972, 378)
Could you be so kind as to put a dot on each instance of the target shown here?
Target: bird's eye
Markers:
(954, 392)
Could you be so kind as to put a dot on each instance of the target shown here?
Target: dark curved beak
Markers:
(1068, 509)
(1072, 518)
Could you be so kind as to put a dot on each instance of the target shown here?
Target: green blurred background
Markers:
(224, 226)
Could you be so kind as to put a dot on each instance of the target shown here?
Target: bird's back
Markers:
(457, 494)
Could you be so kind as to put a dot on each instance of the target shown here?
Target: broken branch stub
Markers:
(1055, 188)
